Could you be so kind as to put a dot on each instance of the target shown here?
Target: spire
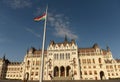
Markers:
(4, 57)
(66, 38)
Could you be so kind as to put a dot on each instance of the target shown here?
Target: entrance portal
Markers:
(56, 71)
(26, 76)
(62, 71)
(101, 75)
(67, 70)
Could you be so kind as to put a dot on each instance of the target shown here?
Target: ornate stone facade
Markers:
(65, 61)
(3, 67)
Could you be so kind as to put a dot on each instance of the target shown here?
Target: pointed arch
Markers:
(56, 71)
(101, 75)
(68, 70)
(28, 62)
(26, 76)
(62, 71)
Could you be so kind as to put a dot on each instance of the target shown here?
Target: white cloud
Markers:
(15, 4)
(61, 26)
(33, 32)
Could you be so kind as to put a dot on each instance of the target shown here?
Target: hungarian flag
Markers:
(40, 17)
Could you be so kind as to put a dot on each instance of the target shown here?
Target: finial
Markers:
(108, 49)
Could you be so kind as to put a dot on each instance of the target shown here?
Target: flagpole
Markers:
(43, 45)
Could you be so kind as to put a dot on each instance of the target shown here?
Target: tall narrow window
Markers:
(93, 60)
(28, 62)
(99, 60)
(37, 62)
(33, 62)
(68, 55)
(55, 56)
(90, 72)
(85, 72)
(60, 56)
(95, 72)
(63, 56)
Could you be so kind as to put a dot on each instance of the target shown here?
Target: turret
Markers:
(32, 49)
(95, 45)
(108, 49)
(52, 42)
(73, 41)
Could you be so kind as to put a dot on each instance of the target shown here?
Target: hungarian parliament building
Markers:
(63, 61)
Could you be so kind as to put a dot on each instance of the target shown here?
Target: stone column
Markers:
(65, 71)
(59, 71)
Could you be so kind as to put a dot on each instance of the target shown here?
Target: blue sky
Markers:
(86, 21)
